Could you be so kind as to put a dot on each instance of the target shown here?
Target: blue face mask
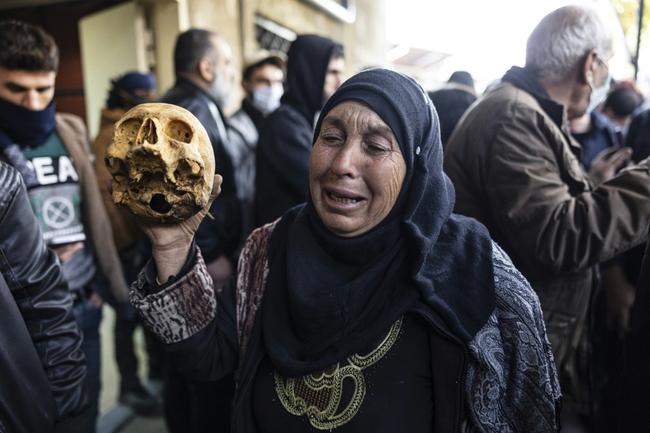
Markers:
(599, 94)
(24, 127)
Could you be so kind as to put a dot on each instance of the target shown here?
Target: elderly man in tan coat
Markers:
(516, 169)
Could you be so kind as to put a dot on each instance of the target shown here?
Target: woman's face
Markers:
(356, 170)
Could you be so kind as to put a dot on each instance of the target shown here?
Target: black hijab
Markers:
(307, 61)
(329, 297)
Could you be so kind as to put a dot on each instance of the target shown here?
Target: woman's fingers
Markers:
(216, 187)
(216, 190)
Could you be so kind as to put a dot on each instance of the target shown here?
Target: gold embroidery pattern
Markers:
(318, 396)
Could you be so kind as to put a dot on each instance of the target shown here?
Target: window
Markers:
(343, 10)
(272, 36)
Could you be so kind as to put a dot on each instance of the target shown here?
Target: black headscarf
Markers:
(307, 62)
(329, 297)
(451, 103)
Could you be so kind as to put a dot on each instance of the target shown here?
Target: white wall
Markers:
(112, 42)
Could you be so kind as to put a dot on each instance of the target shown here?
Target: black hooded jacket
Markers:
(283, 150)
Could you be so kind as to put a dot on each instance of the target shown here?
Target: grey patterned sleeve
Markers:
(180, 310)
(512, 384)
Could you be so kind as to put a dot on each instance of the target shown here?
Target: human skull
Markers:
(162, 163)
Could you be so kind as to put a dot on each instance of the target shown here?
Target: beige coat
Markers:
(125, 230)
(515, 169)
(73, 134)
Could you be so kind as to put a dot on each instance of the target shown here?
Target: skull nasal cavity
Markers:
(148, 132)
(159, 204)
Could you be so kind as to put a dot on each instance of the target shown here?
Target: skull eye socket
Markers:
(116, 166)
(187, 169)
(178, 130)
(128, 130)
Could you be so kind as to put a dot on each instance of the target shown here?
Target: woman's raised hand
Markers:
(170, 243)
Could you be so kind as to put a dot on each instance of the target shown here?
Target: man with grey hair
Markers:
(516, 169)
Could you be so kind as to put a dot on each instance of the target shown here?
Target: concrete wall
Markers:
(364, 40)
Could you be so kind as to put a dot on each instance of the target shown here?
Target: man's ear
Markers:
(588, 68)
(206, 69)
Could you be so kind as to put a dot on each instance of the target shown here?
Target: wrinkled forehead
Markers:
(400, 102)
(356, 114)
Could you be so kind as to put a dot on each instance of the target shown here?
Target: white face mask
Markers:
(599, 94)
(267, 98)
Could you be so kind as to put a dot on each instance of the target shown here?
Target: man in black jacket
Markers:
(204, 81)
(631, 399)
(452, 100)
(314, 70)
(50, 151)
(43, 368)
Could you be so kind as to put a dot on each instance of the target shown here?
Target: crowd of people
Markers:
(353, 275)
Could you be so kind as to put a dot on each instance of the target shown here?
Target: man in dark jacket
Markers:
(42, 365)
(314, 70)
(50, 151)
(638, 138)
(632, 396)
(595, 133)
(516, 168)
(204, 80)
(622, 104)
(452, 100)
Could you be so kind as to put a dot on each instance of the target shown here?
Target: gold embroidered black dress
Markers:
(386, 389)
